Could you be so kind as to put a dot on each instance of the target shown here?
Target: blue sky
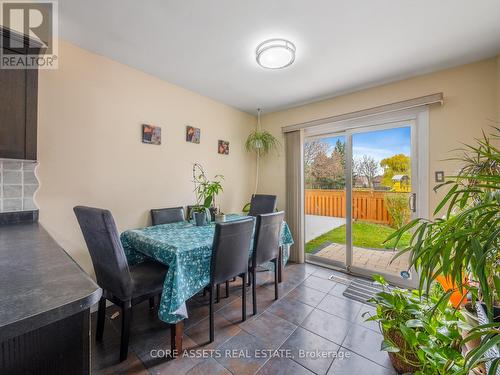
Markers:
(378, 144)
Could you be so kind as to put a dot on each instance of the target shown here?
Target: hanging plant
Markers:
(261, 142)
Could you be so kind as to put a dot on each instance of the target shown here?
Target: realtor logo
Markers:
(28, 31)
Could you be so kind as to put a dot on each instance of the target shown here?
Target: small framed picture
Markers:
(223, 148)
(439, 176)
(151, 134)
(192, 134)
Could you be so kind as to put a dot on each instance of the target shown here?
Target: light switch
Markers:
(439, 176)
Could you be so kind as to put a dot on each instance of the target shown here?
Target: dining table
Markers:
(186, 249)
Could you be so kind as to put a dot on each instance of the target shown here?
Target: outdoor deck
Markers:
(371, 259)
(376, 260)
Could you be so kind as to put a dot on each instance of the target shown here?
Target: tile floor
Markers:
(311, 329)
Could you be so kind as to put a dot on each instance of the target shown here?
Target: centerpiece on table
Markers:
(206, 192)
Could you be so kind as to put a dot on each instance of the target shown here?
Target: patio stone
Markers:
(379, 260)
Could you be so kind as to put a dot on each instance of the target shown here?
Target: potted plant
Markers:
(261, 142)
(206, 192)
(463, 244)
(421, 332)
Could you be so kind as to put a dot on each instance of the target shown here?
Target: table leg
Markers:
(176, 333)
(280, 264)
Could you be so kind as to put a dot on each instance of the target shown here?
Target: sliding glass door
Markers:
(325, 199)
(359, 187)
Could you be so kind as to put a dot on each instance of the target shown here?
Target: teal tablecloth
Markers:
(186, 249)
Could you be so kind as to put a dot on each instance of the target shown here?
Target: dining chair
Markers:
(189, 210)
(262, 204)
(167, 215)
(266, 249)
(122, 284)
(230, 249)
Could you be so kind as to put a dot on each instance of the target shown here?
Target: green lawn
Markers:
(364, 234)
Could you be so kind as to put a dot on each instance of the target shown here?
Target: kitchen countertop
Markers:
(39, 282)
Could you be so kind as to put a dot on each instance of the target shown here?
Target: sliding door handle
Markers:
(412, 202)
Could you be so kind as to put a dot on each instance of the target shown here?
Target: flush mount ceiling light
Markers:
(275, 53)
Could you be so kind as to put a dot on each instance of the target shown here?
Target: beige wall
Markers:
(90, 152)
(471, 103)
(498, 88)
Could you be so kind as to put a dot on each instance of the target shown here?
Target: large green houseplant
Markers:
(260, 142)
(464, 243)
(206, 191)
(421, 332)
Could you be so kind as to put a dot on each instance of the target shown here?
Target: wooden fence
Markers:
(367, 205)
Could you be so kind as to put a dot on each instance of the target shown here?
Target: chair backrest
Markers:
(167, 215)
(262, 204)
(103, 241)
(230, 249)
(267, 237)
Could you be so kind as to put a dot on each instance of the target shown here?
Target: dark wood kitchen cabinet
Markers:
(18, 111)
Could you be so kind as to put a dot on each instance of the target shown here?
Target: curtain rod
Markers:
(386, 108)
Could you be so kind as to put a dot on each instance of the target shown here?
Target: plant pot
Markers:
(400, 361)
(470, 316)
(212, 210)
(200, 218)
(220, 218)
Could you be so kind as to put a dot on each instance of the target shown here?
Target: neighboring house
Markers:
(401, 182)
(362, 182)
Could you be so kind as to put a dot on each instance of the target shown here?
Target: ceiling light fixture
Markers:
(275, 53)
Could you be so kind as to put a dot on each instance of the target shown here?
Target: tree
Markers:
(324, 167)
(366, 167)
(397, 164)
(339, 149)
(311, 150)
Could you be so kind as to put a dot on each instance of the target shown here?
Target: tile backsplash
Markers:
(18, 184)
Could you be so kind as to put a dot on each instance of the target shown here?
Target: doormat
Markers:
(362, 290)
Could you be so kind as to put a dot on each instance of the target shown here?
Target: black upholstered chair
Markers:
(229, 259)
(122, 284)
(266, 249)
(189, 210)
(167, 215)
(262, 204)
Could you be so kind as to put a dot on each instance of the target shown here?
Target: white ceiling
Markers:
(342, 45)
